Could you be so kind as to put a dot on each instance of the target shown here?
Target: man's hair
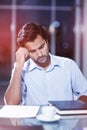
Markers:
(29, 32)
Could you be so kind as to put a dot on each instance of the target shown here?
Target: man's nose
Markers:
(39, 53)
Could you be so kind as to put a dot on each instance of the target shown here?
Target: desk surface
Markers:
(73, 122)
(77, 122)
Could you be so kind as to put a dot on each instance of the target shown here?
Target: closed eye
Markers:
(32, 51)
(42, 46)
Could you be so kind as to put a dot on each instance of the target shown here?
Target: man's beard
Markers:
(43, 61)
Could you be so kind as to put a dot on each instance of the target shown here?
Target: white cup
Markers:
(49, 112)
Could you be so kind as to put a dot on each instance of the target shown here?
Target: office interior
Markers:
(65, 20)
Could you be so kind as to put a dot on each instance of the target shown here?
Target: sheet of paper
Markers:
(15, 111)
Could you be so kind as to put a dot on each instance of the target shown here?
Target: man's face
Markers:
(38, 51)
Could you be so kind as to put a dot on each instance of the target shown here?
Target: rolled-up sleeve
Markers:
(24, 93)
(79, 82)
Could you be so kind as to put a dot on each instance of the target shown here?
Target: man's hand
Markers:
(21, 56)
(83, 98)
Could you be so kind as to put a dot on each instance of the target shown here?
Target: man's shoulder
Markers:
(63, 59)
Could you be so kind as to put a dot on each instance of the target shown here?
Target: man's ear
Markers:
(27, 58)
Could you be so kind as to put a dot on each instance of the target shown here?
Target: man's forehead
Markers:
(35, 44)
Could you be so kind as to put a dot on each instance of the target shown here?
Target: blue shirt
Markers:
(62, 80)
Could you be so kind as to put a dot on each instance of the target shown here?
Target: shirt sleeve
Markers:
(24, 93)
(79, 83)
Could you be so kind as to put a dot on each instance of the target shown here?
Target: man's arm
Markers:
(13, 95)
(83, 98)
(13, 92)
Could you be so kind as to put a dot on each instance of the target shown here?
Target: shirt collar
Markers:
(55, 61)
(29, 65)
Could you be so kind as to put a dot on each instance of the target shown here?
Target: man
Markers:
(39, 76)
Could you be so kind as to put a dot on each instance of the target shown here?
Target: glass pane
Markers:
(33, 2)
(41, 17)
(65, 2)
(5, 44)
(65, 37)
(5, 2)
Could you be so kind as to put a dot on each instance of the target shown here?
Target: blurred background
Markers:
(66, 21)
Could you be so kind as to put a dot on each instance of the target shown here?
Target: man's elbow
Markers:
(11, 100)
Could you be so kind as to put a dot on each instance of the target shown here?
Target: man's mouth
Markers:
(42, 59)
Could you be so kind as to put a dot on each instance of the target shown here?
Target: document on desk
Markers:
(73, 107)
(16, 111)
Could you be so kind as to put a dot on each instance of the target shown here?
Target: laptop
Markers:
(71, 107)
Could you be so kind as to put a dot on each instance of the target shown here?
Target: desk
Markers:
(74, 122)
(68, 123)
(78, 122)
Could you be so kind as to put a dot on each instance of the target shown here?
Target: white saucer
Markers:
(43, 118)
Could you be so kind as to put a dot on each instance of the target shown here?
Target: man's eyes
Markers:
(42, 46)
(33, 51)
